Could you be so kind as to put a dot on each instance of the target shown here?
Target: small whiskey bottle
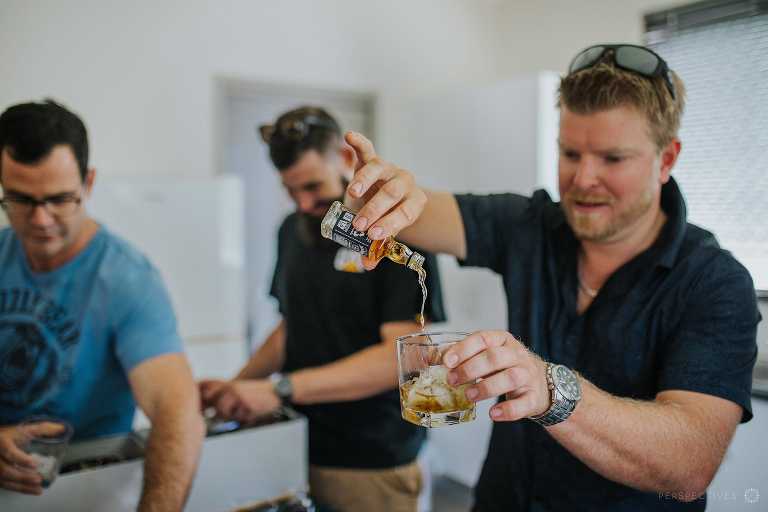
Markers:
(337, 226)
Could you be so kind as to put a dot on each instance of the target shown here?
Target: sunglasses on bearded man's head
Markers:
(295, 129)
(630, 57)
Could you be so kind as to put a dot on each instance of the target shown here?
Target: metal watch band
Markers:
(561, 407)
(558, 412)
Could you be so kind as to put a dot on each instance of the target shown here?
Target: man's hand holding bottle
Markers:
(386, 196)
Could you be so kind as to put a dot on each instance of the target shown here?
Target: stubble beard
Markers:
(587, 227)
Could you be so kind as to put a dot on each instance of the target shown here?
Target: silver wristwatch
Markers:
(283, 386)
(565, 391)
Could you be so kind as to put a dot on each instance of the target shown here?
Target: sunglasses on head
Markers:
(295, 129)
(630, 57)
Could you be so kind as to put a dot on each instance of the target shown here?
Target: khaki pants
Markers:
(367, 490)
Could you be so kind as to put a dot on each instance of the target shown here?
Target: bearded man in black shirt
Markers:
(334, 347)
(634, 332)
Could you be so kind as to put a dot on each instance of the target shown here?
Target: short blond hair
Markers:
(606, 86)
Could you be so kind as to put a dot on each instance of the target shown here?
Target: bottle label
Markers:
(344, 234)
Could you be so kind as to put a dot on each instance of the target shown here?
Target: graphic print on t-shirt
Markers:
(36, 339)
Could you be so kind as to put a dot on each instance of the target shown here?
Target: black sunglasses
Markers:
(295, 129)
(630, 57)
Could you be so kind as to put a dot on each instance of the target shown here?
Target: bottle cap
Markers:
(416, 261)
(329, 221)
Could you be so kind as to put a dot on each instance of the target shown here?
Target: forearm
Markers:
(646, 445)
(268, 359)
(366, 373)
(173, 449)
(439, 229)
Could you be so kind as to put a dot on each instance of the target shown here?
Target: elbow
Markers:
(187, 422)
(692, 487)
(190, 420)
(691, 495)
(699, 488)
(686, 494)
(193, 421)
(681, 480)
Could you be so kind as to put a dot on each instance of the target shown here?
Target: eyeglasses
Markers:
(57, 206)
(630, 57)
(295, 129)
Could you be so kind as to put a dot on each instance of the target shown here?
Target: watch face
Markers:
(566, 383)
(284, 388)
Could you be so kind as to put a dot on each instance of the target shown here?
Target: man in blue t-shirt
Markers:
(86, 326)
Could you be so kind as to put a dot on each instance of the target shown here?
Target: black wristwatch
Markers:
(565, 393)
(283, 387)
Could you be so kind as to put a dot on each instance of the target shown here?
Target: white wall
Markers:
(540, 35)
(142, 73)
(168, 219)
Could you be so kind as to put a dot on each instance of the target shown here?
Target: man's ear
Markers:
(90, 178)
(668, 158)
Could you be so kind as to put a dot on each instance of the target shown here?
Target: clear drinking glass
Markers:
(426, 398)
(45, 439)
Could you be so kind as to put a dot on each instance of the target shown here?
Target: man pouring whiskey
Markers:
(627, 365)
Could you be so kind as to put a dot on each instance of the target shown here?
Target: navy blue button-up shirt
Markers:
(681, 315)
